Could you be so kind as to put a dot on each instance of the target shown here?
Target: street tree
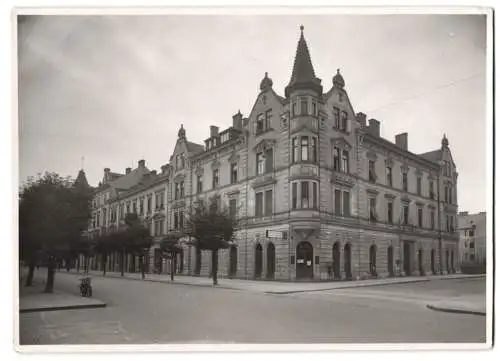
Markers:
(170, 247)
(53, 213)
(134, 239)
(211, 228)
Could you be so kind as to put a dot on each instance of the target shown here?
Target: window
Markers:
(336, 159)
(303, 106)
(450, 196)
(471, 233)
(472, 244)
(344, 121)
(432, 219)
(304, 190)
(419, 185)
(313, 108)
(232, 208)
(405, 182)
(134, 207)
(260, 163)
(260, 124)
(268, 210)
(159, 200)
(390, 216)
(315, 195)
(294, 109)
(445, 194)
(314, 150)
(182, 188)
(199, 184)
(268, 119)
(389, 176)
(373, 215)
(149, 201)
(347, 204)
(215, 178)
(141, 206)
(181, 219)
(269, 160)
(295, 150)
(371, 171)
(336, 117)
(447, 223)
(304, 148)
(258, 204)
(176, 220)
(406, 212)
(224, 137)
(345, 161)
(294, 195)
(420, 219)
(234, 173)
(338, 203)
(431, 189)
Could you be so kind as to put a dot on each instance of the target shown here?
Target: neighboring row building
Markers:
(317, 192)
(472, 230)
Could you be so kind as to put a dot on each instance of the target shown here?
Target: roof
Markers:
(434, 155)
(194, 148)
(81, 180)
(303, 71)
(129, 180)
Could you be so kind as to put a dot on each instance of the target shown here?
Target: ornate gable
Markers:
(341, 143)
(264, 145)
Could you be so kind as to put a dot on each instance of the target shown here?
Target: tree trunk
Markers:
(122, 262)
(104, 261)
(172, 266)
(68, 265)
(78, 264)
(31, 272)
(214, 266)
(141, 265)
(51, 270)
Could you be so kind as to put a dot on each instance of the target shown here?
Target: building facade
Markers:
(472, 230)
(317, 192)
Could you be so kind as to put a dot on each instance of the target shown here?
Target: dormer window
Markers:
(336, 117)
(344, 121)
(303, 106)
(260, 124)
(314, 107)
(268, 119)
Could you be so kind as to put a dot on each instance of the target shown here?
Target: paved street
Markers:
(147, 312)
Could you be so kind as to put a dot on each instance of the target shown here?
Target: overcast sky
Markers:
(115, 89)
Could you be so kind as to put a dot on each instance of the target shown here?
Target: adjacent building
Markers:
(317, 192)
(472, 230)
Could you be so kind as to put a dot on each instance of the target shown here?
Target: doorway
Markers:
(420, 263)
(233, 261)
(304, 267)
(271, 257)
(347, 261)
(433, 261)
(258, 261)
(390, 261)
(407, 258)
(336, 260)
(373, 260)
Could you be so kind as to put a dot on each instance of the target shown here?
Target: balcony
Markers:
(263, 180)
(304, 121)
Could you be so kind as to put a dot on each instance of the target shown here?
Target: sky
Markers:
(115, 89)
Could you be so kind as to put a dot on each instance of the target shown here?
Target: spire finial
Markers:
(338, 70)
(302, 30)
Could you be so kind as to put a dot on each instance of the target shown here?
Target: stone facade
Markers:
(318, 193)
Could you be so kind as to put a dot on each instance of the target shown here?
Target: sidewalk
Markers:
(274, 287)
(33, 299)
(469, 304)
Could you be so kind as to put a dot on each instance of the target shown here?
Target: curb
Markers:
(456, 310)
(61, 308)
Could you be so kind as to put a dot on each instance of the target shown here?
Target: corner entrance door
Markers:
(336, 260)
(406, 258)
(304, 266)
(390, 261)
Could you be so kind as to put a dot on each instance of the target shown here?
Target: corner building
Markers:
(317, 193)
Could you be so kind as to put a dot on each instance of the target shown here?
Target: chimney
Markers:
(153, 172)
(361, 118)
(374, 127)
(402, 141)
(128, 170)
(245, 122)
(163, 169)
(141, 163)
(214, 131)
(106, 174)
(237, 120)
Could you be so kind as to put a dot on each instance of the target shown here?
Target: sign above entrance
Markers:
(274, 234)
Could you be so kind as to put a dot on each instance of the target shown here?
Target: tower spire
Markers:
(303, 76)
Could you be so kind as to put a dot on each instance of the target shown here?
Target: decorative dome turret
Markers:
(266, 83)
(444, 141)
(182, 132)
(338, 80)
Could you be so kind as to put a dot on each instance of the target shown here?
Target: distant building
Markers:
(317, 192)
(472, 230)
